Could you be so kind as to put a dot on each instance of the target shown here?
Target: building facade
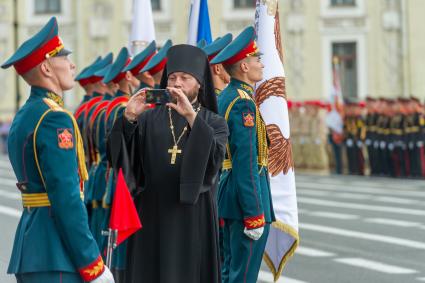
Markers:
(379, 43)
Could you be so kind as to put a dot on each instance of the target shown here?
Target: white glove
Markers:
(376, 144)
(411, 145)
(368, 142)
(349, 142)
(419, 143)
(382, 145)
(254, 234)
(391, 146)
(106, 277)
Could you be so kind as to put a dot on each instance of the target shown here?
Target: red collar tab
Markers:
(101, 106)
(49, 49)
(111, 106)
(90, 104)
(249, 50)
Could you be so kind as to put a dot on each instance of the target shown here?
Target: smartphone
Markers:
(157, 96)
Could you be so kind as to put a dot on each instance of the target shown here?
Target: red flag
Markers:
(124, 217)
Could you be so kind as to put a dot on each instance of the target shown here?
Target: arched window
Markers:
(47, 6)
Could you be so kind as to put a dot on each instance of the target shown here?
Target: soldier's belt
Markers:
(35, 200)
(397, 132)
(227, 164)
(38, 200)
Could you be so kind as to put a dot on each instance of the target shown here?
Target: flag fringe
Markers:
(292, 232)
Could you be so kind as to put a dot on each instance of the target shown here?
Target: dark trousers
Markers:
(337, 153)
(415, 162)
(242, 255)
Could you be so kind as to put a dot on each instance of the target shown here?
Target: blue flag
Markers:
(199, 22)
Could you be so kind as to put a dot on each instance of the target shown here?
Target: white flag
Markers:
(142, 26)
(271, 99)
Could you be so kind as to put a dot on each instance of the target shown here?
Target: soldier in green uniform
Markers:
(83, 78)
(220, 77)
(97, 131)
(244, 200)
(84, 115)
(53, 242)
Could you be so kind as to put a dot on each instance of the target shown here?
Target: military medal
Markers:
(175, 149)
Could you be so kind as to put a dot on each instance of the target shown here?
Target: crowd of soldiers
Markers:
(108, 85)
(380, 137)
(67, 165)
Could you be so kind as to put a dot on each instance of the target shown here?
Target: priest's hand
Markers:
(182, 105)
(136, 105)
(254, 234)
(105, 277)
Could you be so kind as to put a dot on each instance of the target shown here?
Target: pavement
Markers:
(352, 229)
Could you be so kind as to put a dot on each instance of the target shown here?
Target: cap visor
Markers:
(64, 52)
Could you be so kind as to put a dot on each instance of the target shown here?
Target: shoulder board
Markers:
(243, 94)
(80, 110)
(52, 105)
(101, 106)
(90, 105)
(114, 103)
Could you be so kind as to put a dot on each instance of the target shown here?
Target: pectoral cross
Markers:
(174, 151)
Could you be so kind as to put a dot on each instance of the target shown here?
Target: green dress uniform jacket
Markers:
(244, 190)
(47, 157)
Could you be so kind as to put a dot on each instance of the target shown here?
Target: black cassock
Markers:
(176, 202)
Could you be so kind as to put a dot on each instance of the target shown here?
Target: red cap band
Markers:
(158, 67)
(84, 82)
(51, 48)
(142, 64)
(249, 50)
(94, 79)
(122, 74)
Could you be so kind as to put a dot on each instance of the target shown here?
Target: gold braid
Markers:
(263, 150)
(80, 149)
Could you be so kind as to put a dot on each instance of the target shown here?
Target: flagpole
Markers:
(112, 235)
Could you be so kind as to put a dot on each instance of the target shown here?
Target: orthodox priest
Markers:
(170, 156)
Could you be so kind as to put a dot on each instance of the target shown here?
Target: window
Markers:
(343, 3)
(243, 4)
(347, 55)
(47, 6)
(156, 5)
